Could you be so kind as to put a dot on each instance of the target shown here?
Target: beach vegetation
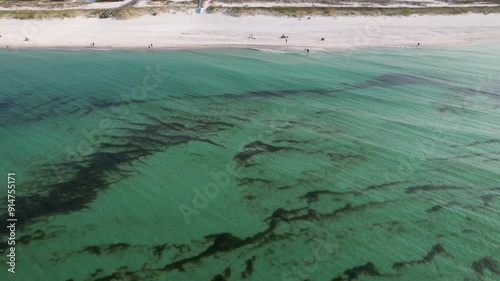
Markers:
(351, 11)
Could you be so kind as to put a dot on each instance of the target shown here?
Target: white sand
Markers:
(215, 30)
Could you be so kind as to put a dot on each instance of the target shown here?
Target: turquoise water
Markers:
(373, 164)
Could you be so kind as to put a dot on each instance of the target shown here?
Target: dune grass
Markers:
(46, 4)
(132, 12)
(351, 11)
(49, 14)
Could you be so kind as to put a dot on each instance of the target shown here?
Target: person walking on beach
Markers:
(418, 45)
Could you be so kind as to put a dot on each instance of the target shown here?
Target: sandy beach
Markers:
(183, 30)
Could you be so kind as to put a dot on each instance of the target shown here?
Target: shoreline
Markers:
(278, 48)
(216, 31)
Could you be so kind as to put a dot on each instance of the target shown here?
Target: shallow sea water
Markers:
(372, 164)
